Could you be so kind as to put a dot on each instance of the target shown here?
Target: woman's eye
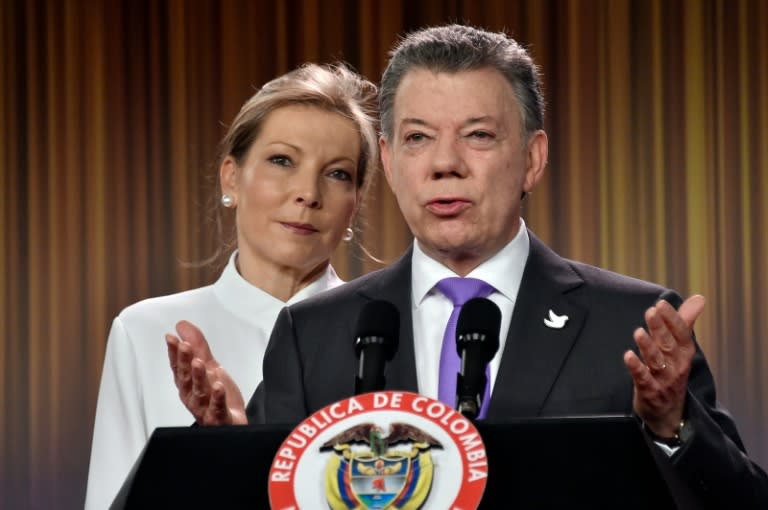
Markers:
(280, 160)
(341, 175)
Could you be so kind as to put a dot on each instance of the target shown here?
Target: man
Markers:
(462, 145)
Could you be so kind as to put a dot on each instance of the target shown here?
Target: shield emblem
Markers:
(379, 477)
(378, 481)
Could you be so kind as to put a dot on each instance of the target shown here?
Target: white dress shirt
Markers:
(137, 392)
(431, 309)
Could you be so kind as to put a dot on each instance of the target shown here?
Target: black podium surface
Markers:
(574, 462)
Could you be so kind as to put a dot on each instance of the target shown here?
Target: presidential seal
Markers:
(383, 450)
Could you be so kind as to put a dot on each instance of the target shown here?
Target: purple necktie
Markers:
(459, 291)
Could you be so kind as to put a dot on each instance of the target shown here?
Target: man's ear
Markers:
(228, 172)
(386, 160)
(537, 150)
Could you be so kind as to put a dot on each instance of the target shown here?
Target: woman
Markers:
(294, 167)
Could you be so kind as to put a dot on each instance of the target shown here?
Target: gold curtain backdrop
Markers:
(110, 113)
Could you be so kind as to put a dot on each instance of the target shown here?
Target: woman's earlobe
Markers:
(228, 180)
(227, 200)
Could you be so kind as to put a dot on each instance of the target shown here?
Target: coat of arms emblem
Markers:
(392, 450)
(377, 472)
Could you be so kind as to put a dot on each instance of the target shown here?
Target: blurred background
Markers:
(110, 112)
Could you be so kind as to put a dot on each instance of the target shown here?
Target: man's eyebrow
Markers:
(414, 120)
(484, 118)
(471, 120)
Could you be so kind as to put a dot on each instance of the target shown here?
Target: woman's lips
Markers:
(300, 228)
(447, 206)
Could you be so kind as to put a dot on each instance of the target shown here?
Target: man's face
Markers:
(458, 164)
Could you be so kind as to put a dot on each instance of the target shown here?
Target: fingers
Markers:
(184, 359)
(173, 351)
(660, 372)
(234, 396)
(658, 328)
(192, 335)
(235, 403)
(669, 339)
(658, 360)
(640, 373)
(649, 392)
(671, 324)
(201, 388)
(227, 406)
(654, 401)
(204, 387)
(218, 411)
(691, 309)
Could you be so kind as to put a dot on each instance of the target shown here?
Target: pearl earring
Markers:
(349, 235)
(227, 201)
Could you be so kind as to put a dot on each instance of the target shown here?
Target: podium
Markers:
(570, 462)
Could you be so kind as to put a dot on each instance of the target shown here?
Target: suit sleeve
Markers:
(713, 462)
(280, 397)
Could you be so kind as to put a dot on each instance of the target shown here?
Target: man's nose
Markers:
(448, 160)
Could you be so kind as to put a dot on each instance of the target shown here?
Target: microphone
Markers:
(376, 339)
(477, 340)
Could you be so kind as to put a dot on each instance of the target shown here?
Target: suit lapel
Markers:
(394, 285)
(534, 352)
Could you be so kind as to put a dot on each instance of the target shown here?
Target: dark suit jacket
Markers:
(310, 361)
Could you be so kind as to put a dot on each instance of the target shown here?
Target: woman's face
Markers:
(295, 192)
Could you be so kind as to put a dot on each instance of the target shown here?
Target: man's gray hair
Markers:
(456, 48)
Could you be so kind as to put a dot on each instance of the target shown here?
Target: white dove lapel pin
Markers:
(555, 321)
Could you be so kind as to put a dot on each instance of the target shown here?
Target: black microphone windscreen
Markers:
(480, 315)
(379, 319)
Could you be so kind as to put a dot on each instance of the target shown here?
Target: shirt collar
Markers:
(503, 271)
(250, 302)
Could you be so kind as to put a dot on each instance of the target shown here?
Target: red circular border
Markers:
(282, 495)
